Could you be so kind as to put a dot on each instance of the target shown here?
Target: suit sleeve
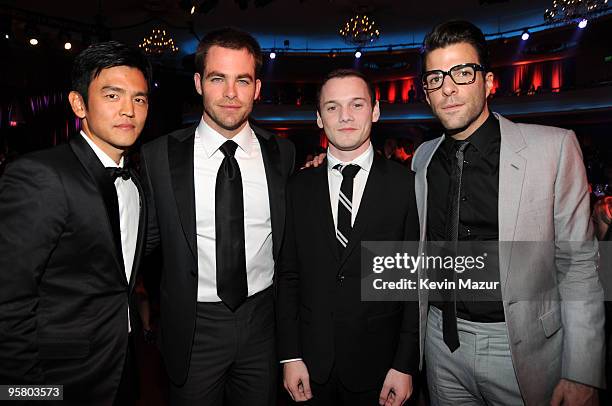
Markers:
(582, 310)
(33, 209)
(287, 309)
(152, 238)
(407, 354)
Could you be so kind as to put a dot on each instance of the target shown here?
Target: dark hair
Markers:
(455, 32)
(231, 38)
(103, 55)
(345, 73)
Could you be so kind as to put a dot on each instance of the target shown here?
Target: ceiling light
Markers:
(583, 23)
(525, 35)
(358, 54)
(272, 55)
(33, 41)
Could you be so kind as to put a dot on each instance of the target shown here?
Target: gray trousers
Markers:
(479, 372)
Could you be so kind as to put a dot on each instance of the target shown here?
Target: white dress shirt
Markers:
(129, 210)
(257, 222)
(334, 179)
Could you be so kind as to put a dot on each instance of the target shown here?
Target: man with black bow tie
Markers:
(70, 241)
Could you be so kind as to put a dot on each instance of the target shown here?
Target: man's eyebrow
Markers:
(353, 99)
(223, 75)
(215, 73)
(114, 89)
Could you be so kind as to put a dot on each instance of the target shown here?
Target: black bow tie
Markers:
(115, 173)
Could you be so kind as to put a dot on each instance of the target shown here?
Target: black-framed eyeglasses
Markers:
(463, 74)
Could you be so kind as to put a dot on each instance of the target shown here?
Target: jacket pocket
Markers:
(58, 348)
(551, 321)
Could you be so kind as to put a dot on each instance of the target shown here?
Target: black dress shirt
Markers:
(478, 214)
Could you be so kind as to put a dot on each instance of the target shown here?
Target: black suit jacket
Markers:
(167, 172)
(321, 318)
(64, 293)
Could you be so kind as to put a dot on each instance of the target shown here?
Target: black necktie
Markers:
(345, 204)
(115, 173)
(229, 226)
(449, 310)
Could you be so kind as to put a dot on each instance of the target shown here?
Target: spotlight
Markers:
(192, 10)
(358, 54)
(525, 35)
(5, 26)
(32, 34)
(65, 38)
(583, 23)
(272, 55)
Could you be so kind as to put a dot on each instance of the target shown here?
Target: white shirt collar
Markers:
(211, 140)
(364, 160)
(107, 161)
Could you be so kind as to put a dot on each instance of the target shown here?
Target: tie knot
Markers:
(460, 146)
(229, 148)
(348, 171)
(115, 173)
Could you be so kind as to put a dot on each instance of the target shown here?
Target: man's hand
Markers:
(316, 161)
(396, 389)
(569, 393)
(296, 380)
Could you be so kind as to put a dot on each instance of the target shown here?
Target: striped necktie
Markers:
(345, 204)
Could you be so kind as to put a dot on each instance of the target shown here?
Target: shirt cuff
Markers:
(290, 360)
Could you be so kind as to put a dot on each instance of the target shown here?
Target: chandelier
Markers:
(359, 30)
(567, 10)
(158, 43)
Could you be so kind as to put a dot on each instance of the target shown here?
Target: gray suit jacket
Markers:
(552, 297)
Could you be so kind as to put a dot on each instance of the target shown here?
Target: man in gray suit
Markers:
(489, 179)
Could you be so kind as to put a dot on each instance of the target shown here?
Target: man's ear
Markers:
(319, 121)
(197, 81)
(376, 112)
(78, 104)
(427, 97)
(489, 82)
(257, 89)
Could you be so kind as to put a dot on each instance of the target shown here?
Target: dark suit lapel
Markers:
(96, 171)
(180, 158)
(373, 191)
(141, 229)
(276, 187)
(323, 203)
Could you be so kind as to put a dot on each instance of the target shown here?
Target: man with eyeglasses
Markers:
(489, 179)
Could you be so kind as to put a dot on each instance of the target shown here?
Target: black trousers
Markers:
(128, 390)
(334, 393)
(233, 359)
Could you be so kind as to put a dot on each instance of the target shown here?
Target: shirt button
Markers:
(464, 199)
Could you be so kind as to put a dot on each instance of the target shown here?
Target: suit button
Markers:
(340, 278)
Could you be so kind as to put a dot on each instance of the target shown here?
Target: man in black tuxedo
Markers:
(70, 241)
(216, 194)
(336, 349)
